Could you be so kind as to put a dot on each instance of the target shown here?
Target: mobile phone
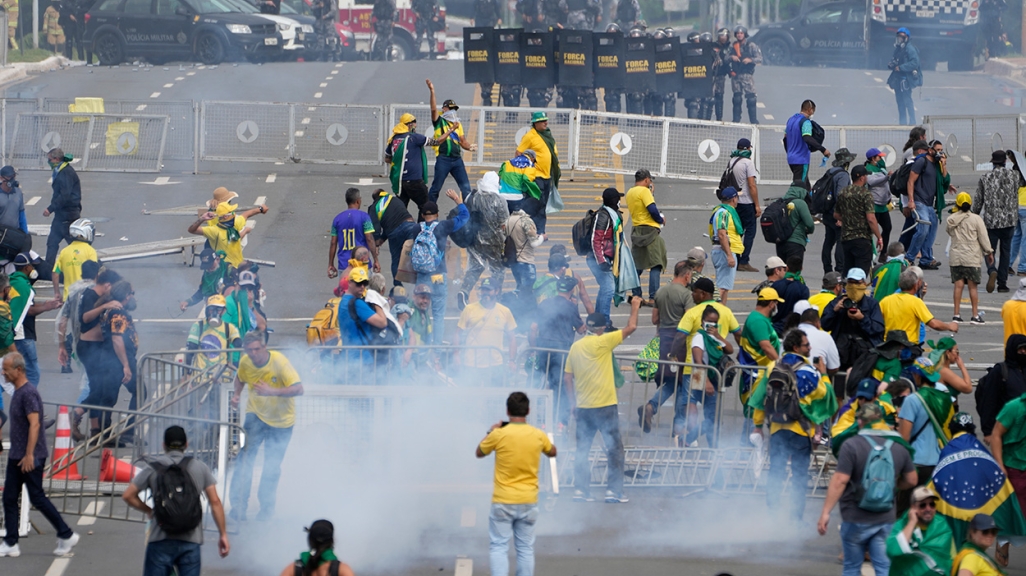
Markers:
(816, 360)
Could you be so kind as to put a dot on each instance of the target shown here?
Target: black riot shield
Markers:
(639, 64)
(696, 63)
(667, 65)
(609, 60)
(538, 65)
(507, 56)
(478, 55)
(575, 58)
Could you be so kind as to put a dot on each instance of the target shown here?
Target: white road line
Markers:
(318, 94)
(271, 178)
(760, 104)
(464, 567)
(334, 72)
(193, 73)
(169, 85)
(767, 116)
(32, 201)
(878, 79)
(155, 95)
(88, 517)
(305, 121)
(339, 65)
(868, 73)
(324, 85)
(328, 77)
(180, 78)
(61, 564)
(261, 200)
(468, 517)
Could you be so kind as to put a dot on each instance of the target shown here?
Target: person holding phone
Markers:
(707, 347)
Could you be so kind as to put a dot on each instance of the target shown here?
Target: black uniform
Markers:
(384, 19)
(326, 14)
(427, 12)
(486, 14)
(65, 207)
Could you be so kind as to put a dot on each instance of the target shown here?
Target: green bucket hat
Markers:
(539, 117)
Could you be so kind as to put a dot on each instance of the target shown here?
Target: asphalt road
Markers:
(658, 532)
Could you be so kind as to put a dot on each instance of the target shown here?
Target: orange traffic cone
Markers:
(63, 468)
(116, 470)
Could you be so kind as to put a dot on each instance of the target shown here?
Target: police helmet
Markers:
(641, 24)
(693, 37)
(741, 29)
(637, 32)
(659, 34)
(670, 32)
(723, 33)
(614, 27)
(705, 37)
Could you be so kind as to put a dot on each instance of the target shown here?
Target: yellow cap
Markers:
(217, 300)
(358, 275)
(769, 294)
(963, 198)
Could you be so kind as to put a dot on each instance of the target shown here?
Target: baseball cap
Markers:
(926, 368)
(963, 198)
(775, 262)
(831, 279)
(595, 319)
(489, 284)
(557, 261)
(982, 522)
(247, 278)
(224, 209)
(217, 300)
(450, 104)
(705, 285)
(539, 117)
(869, 412)
(321, 531)
(728, 193)
(429, 208)
(7, 171)
(744, 143)
(422, 289)
(566, 284)
(962, 419)
(858, 172)
(923, 493)
(867, 388)
(697, 254)
(802, 305)
(769, 294)
(610, 194)
(857, 274)
(174, 437)
(873, 153)
(357, 276)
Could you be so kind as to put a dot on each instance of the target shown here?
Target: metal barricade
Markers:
(889, 139)
(448, 366)
(771, 158)
(338, 134)
(181, 136)
(246, 131)
(621, 143)
(699, 149)
(102, 142)
(969, 140)
(11, 108)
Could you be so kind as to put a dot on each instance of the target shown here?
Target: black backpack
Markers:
(728, 179)
(782, 402)
(581, 234)
(818, 133)
(176, 500)
(823, 194)
(776, 222)
(898, 180)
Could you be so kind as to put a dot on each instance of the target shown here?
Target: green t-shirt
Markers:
(1013, 418)
(758, 328)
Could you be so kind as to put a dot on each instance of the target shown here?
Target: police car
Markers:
(293, 34)
(830, 33)
(210, 31)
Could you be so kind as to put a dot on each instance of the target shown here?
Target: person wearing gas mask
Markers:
(720, 71)
(24, 310)
(854, 319)
(211, 333)
(744, 55)
(448, 158)
(906, 75)
(66, 204)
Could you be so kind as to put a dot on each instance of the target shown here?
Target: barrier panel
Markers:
(102, 142)
(338, 134)
(182, 115)
(246, 131)
(11, 107)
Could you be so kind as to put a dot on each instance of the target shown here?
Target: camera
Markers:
(849, 304)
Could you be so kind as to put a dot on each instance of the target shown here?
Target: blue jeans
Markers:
(606, 283)
(551, 364)
(857, 539)
(606, 422)
(163, 555)
(1019, 243)
(33, 480)
(512, 521)
(275, 441)
(445, 165)
(680, 404)
(439, 294)
(906, 108)
(525, 274)
(27, 348)
(708, 402)
(785, 444)
(925, 235)
(405, 231)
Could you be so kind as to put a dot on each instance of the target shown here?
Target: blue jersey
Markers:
(797, 150)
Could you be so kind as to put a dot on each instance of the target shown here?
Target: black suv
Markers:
(831, 33)
(164, 30)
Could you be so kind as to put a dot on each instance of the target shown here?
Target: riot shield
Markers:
(507, 56)
(575, 58)
(609, 60)
(639, 64)
(538, 66)
(478, 55)
(696, 63)
(667, 65)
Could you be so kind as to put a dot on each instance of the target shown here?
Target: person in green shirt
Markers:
(920, 544)
(1008, 443)
(758, 338)
(321, 559)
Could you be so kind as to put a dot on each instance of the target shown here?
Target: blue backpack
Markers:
(425, 256)
(876, 491)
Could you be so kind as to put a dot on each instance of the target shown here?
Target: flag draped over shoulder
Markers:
(399, 153)
(818, 402)
(941, 409)
(969, 482)
(517, 176)
(846, 425)
(928, 553)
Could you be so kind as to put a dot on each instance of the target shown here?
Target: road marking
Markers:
(877, 79)
(464, 567)
(261, 200)
(339, 65)
(155, 95)
(299, 133)
(88, 517)
(193, 73)
(868, 73)
(305, 121)
(140, 107)
(169, 85)
(328, 77)
(271, 178)
(324, 85)
(180, 78)
(468, 517)
(32, 201)
(318, 94)
(61, 564)
(760, 104)
(767, 116)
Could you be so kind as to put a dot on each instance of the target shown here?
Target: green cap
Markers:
(539, 117)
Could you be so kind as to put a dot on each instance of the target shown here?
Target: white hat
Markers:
(802, 305)
(1020, 294)
(775, 262)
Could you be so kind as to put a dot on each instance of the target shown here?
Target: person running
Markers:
(320, 559)
(647, 245)
(518, 447)
(26, 461)
(799, 143)
(486, 231)
(606, 239)
(725, 230)
(351, 229)
(968, 239)
(449, 151)
(273, 384)
(392, 223)
(68, 268)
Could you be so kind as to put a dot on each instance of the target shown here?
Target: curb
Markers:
(1005, 69)
(14, 72)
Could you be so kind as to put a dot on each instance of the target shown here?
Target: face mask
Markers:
(450, 116)
(881, 163)
(53, 163)
(215, 321)
(130, 305)
(33, 275)
(855, 291)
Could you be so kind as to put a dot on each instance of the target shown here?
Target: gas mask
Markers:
(900, 40)
(130, 305)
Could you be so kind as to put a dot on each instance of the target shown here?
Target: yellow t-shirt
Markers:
(591, 362)
(722, 220)
(518, 448)
(691, 322)
(532, 140)
(485, 328)
(978, 566)
(218, 238)
(1013, 314)
(822, 300)
(904, 311)
(1022, 197)
(275, 411)
(638, 199)
(69, 262)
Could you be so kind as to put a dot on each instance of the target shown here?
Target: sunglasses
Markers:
(927, 504)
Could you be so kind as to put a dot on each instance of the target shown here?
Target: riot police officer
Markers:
(530, 12)
(628, 12)
(636, 101)
(720, 71)
(612, 96)
(325, 13)
(653, 97)
(487, 15)
(693, 105)
(581, 15)
(554, 13)
(427, 19)
(383, 17)
(706, 106)
(745, 54)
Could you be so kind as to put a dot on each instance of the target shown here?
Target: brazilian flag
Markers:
(969, 482)
(847, 426)
(817, 400)
(517, 176)
(941, 411)
(400, 157)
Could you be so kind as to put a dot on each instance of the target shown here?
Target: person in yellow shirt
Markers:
(273, 384)
(518, 447)
(973, 559)
(486, 327)
(68, 268)
(647, 246)
(833, 286)
(539, 138)
(1013, 312)
(905, 311)
(591, 376)
(227, 233)
(725, 229)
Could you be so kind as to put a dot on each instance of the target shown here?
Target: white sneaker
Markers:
(12, 551)
(64, 545)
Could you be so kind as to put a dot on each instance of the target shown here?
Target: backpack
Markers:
(728, 179)
(993, 385)
(387, 336)
(425, 256)
(782, 399)
(581, 234)
(776, 222)
(323, 328)
(176, 500)
(823, 194)
(297, 568)
(818, 134)
(876, 491)
(898, 180)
